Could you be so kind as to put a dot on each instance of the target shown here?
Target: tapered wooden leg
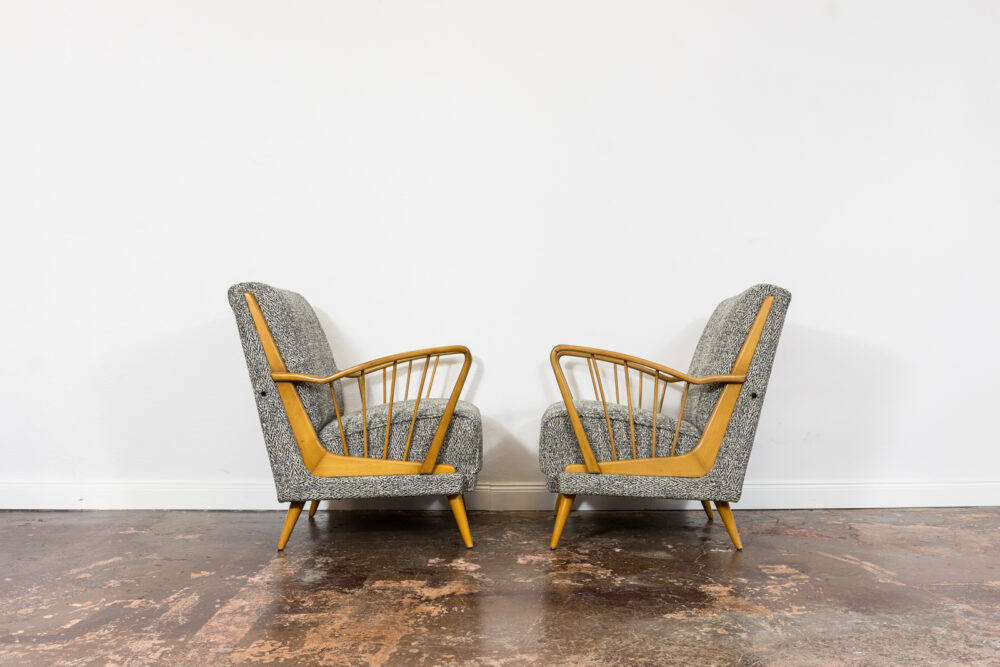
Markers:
(555, 510)
(727, 518)
(313, 506)
(458, 509)
(293, 515)
(563, 506)
(706, 504)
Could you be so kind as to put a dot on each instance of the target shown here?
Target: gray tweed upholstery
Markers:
(462, 448)
(715, 354)
(556, 427)
(305, 349)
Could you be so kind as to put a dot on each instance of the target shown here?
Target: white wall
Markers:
(507, 175)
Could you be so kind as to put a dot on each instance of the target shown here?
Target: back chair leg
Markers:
(293, 515)
(313, 506)
(458, 509)
(727, 518)
(563, 506)
(705, 504)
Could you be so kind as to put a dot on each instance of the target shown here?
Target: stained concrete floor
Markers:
(858, 587)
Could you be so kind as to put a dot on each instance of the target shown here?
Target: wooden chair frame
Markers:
(695, 463)
(324, 463)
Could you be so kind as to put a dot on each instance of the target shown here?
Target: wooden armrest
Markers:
(375, 364)
(665, 373)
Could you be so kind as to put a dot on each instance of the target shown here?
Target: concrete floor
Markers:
(858, 587)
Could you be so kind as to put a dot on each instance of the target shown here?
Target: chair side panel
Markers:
(287, 467)
(734, 454)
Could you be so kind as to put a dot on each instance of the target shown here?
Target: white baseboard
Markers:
(488, 496)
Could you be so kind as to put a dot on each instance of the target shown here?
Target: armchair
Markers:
(411, 447)
(613, 445)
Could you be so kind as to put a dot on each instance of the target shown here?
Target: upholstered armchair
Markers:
(623, 444)
(418, 446)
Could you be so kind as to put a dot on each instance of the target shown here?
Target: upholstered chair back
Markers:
(715, 354)
(304, 349)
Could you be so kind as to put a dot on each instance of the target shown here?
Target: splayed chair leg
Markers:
(313, 506)
(555, 510)
(458, 509)
(727, 518)
(293, 515)
(563, 506)
(705, 504)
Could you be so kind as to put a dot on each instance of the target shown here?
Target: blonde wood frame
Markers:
(695, 463)
(323, 463)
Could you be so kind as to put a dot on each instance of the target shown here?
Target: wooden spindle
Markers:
(388, 419)
(413, 420)
(631, 418)
(364, 410)
(617, 400)
(590, 364)
(336, 407)
(656, 388)
(433, 373)
(409, 369)
(607, 417)
(680, 416)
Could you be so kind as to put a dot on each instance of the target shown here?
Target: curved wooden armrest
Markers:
(360, 370)
(666, 374)
(375, 364)
(660, 372)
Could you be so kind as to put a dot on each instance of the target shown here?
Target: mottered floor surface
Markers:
(830, 587)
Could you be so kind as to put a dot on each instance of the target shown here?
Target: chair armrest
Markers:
(666, 373)
(660, 372)
(359, 372)
(375, 365)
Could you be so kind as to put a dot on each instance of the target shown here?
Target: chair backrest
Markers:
(715, 353)
(721, 341)
(304, 349)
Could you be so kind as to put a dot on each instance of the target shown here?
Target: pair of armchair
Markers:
(413, 443)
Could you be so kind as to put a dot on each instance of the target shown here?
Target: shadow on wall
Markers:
(191, 416)
(829, 406)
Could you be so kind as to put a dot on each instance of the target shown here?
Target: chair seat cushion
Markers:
(643, 486)
(462, 447)
(558, 445)
(385, 486)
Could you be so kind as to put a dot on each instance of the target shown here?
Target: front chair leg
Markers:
(458, 509)
(563, 506)
(293, 515)
(727, 518)
(313, 506)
